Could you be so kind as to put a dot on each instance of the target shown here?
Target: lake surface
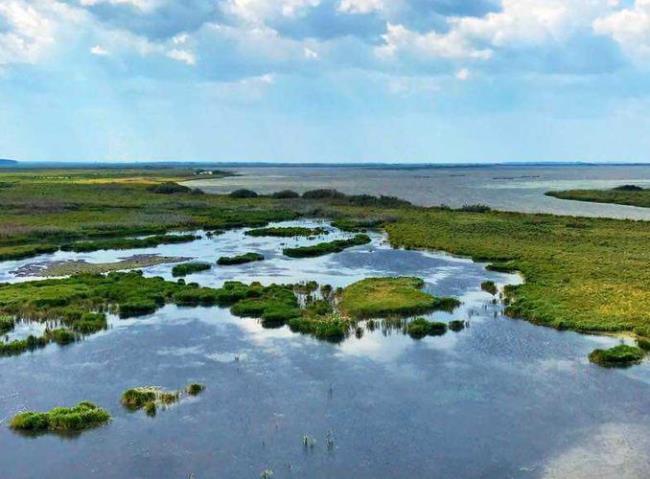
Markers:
(500, 399)
(510, 188)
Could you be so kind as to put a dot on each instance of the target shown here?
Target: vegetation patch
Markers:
(353, 225)
(7, 323)
(631, 195)
(420, 327)
(489, 287)
(382, 297)
(243, 194)
(240, 259)
(150, 398)
(128, 243)
(274, 305)
(321, 249)
(169, 188)
(620, 356)
(84, 415)
(287, 232)
(189, 268)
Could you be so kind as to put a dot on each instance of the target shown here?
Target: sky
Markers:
(400, 81)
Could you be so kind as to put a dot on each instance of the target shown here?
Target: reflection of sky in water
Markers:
(501, 398)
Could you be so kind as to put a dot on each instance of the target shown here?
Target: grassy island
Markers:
(150, 398)
(380, 297)
(620, 356)
(420, 327)
(189, 268)
(240, 259)
(287, 232)
(84, 415)
(321, 249)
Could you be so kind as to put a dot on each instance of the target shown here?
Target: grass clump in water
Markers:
(380, 297)
(456, 325)
(128, 243)
(420, 327)
(240, 259)
(321, 249)
(489, 287)
(330, 328)
(7, 323)
(189, 268)
(286, 232)
(89, 323)
(84, 415)
(195, 389)
(274, 305)
(620, 356)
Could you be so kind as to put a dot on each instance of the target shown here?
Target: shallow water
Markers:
(502, 398)
(503, 187)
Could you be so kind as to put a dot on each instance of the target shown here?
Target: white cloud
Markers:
(28, 35)
(145, 6)
(310, 54)
(184, 56)
(258, 11)
(630, 28)
(360, 6)
(462, 74)
(99, 51)
(450, 45)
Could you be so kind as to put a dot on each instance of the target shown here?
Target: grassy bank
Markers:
(619, 196)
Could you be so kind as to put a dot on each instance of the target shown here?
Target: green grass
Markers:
(128, 243)
(381, 297)
(84, 415)
(619, 356)
(321, 249)
(489, 287)
(620, 196)
(194, 389)
(286, 232)
(7, 323)
(150, 398)
(189, 268)
(240, 259)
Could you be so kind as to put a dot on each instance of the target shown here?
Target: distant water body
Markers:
(511, 188)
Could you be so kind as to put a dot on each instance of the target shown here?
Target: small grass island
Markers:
(240, 259)
(84, 415)
(620, 356)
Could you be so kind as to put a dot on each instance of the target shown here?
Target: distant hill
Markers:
(7, 162)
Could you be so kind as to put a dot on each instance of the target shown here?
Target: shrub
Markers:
(628, 188)
(285, 194)
(620, 356)
(240, 259)
(323, 194)
(189, 268)
(243, 193)
(477, 208)
(169, 188)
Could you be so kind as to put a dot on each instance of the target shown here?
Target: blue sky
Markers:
(325, 80)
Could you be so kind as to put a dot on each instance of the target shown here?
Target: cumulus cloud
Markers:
(630, 28)
(360, 6)
(258, 11)
(29, 32)
(142, 5)
(99, 51)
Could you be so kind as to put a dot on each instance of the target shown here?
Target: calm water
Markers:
(512, 188)
(500, 399)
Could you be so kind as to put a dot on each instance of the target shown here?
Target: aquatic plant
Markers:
(489, 287)
(321, 249)
(128, 243)
(136, 398)
(330, 328)
(643, 343)
(89, 323)
(61, 336)
(20, 346)
(618, 356)
(420, 327)
(84, 415)
(150, 408)
(456, 325)
(194, 389)
(381, 297)
(7, 323)
(286, 231)
(240, 259)
(189, 268)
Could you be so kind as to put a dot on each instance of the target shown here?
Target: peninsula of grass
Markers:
(84, 415)
(189, 268)
(72, 267)
(128, 243)
(240, 259)
(287, 232)
(420, 327)
(630, 195)
(620, 356)
(321, 249)
(383, 297)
